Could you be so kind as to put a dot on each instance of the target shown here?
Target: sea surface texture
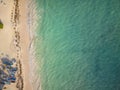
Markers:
(78, 44)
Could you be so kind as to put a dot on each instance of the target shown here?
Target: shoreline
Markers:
(32, 27)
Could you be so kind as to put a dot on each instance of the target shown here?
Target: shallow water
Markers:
(78, 44)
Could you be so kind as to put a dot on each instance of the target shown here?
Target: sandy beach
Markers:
(15, 40)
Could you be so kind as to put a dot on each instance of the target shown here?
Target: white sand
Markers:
(7, 36)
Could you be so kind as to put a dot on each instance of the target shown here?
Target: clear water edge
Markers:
(77, 45)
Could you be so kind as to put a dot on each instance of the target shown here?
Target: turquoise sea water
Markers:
(78, 46)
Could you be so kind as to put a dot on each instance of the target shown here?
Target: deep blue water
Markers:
(78, 45)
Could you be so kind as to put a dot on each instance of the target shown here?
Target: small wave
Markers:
(32, 26)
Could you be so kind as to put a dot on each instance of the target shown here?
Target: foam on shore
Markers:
(32, 27)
